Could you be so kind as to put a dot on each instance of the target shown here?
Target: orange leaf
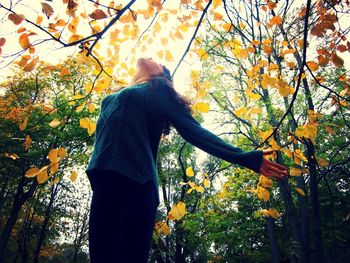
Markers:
(23, 124)
(267, 49)
(64, 71)
(322, 60)
(317, 31)
(336, 60)
(30, 66)
(312, 65)
(24, 41)
(16, 19)
(47, 9)
(31, 50)
(98, 14)
(2, 41)
(61, 22)
(342, 48)
(39, 19)
(218, 16)
(271, 5)
(178, 35)
(276, 20)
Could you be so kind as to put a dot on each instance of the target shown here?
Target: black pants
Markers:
(122, 218)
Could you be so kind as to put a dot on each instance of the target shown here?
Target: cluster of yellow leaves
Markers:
(309, 130)
(261, 189)
(88, 124)
(42, 174)
(193, 185)
(178, 210)
(176, 213)
(267, 80)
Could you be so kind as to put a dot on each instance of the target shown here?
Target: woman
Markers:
(123, 168)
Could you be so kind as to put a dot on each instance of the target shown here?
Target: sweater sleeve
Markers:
(192, 131)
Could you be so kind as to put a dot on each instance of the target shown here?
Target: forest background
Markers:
(261, 74)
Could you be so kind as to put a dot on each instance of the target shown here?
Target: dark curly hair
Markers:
(165, 81)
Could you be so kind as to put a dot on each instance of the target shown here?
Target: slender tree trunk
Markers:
(285, 188)
(179, 255)
(43, 229)
(270, 225)
(19, 200)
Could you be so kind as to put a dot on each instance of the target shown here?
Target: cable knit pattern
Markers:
(128, 133)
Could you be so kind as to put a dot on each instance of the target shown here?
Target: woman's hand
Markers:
(272, 169)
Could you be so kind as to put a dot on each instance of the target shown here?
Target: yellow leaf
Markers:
(183, 27)
(300, 191)
(84, 123)
(91, 108)
(73, 176)
(74, 38)
(199, 189)
(202, 107)
(262, 193)
(23, 124)
(177, 211)
(206, 182)
(168, 56)
(164, 41)
(160, 54)
(271, 212)
(189, 171)
(265, 182)
(13, 156)
(162, 228)
(216, 3)
(24, 41)
(54, 123)
(62, 153)
(202, 54)
(42, 176)
(53, 155)
(32, 172)
(252, 95)
(54, 167)
(295, 171)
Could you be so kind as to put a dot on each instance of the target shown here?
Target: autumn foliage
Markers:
(275, 73)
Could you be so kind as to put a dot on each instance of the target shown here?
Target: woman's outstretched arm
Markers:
(192, 131)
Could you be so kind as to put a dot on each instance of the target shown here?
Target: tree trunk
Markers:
(54, 190)
(270, 225)
(18, 202)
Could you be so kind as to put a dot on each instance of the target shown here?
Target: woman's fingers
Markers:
(269, 168)
(270, 173)
(281, 167)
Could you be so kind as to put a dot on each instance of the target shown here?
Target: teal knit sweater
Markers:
(129, 127)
